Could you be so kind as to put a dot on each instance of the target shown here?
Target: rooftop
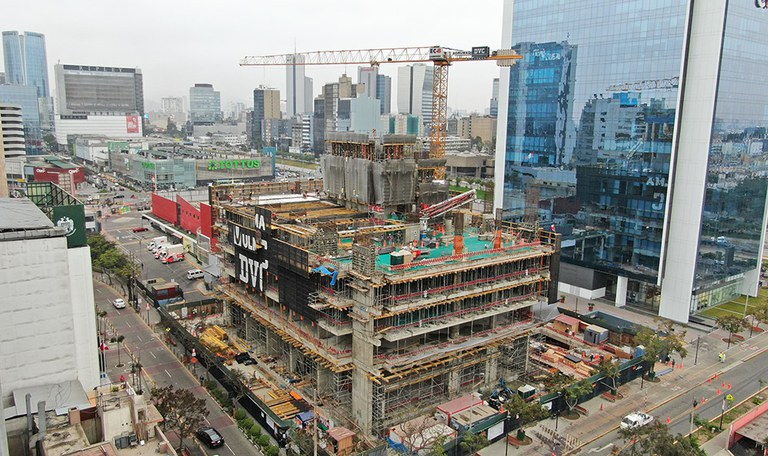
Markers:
(21, 214)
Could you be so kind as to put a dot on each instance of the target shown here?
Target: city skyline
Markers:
(177, 45)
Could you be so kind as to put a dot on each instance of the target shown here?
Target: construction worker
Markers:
(722, 357)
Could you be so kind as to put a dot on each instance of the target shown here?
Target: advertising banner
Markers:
(132, 124)
(251, 249)
(72, 218)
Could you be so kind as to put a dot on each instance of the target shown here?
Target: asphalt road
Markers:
(741, 379)
(161, 367)
(119, 227)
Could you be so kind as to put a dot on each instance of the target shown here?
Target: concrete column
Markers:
(492, 369)
(363, 341)
(324, 379)
(621, 291)
(453, 382)
(292, 358)
(270, 348)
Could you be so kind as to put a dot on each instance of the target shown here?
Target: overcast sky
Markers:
(178, 43)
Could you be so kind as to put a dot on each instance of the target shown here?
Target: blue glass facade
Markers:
(26, 97)
(26, 61)
(589, 127)
(734, 202)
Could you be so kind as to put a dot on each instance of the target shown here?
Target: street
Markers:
(161, 364)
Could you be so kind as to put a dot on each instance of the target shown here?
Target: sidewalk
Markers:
(604, 416)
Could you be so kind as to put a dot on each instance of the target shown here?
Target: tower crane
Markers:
(441, 57)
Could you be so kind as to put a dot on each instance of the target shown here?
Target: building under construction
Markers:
(377, 290)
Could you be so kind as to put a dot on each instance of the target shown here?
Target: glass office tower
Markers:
(591, 122)
(25, 60)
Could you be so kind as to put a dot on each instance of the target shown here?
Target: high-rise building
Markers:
(298, 87)
(26, 97)
(414, 92)
(171, 105)
(49, 336)
(98, 100)
(12, 148)
(384, 92)
(318, 125)
(266, 107)
(204, 105)
(25, 60)
(603, 137)
(368, 77)
(494, 108)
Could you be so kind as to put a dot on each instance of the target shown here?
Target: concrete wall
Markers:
(83, 316)
(38, 344)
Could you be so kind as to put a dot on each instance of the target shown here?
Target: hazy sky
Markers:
(178, 43)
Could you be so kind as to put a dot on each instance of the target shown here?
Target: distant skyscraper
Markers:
(83, 89)
(26, 97)
(266, 107)
(25, 60)
(204, 105)
(98, 100)
(170, 105)
(368, 76)
(384, 92)
(494, 111)
(298, 87)
(414, 92)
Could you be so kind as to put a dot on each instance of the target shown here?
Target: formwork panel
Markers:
(394, 182)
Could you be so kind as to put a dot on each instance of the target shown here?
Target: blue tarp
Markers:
(309, 415)
(325, 271)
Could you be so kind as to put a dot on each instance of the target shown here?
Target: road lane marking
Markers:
(169, 374)
(229, 447)
(127, 324)
(139, 337)
(153, 355)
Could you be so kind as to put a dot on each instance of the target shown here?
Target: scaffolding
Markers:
(513, 362)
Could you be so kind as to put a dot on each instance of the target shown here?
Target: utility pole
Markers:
(317, 421)
(696, 358)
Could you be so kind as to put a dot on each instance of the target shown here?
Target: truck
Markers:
(155, 241)
(172, 254)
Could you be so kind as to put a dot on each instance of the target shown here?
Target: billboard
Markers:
(71, 218)
(116, 146)
(132, 124)
(251, 249)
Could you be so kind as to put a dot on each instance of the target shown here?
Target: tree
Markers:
(526, 412)
(760, 312)
(655, 438)
(418, 435)
(439, 449)
(663, 341)
(574, 392)
(120, 338)
(732, 323)
(471, 443)
(180, 409)
(610, 370)
(239, 386)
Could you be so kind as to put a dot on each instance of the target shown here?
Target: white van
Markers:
(194, 274)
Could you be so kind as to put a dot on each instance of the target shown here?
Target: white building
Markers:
(112, 126)
(298, 87)
(414, 91)
(48, 329)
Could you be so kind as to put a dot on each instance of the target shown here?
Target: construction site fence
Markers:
(216, 368)
(629, 370)
(465, 256)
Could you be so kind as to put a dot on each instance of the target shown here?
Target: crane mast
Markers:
(441, 57)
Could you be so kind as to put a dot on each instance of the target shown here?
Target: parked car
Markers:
(119, 196)
(140, 229)
(636, 420)
(210, 437)
(119, 303)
